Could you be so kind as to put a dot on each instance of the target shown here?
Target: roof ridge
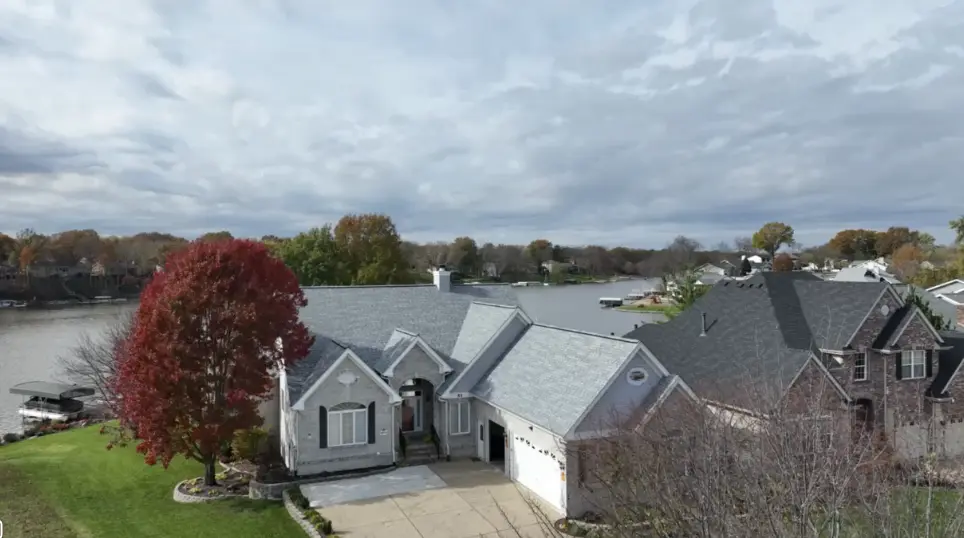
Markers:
(587, 333)
(356, 286)
(485, 303)
(405, 331)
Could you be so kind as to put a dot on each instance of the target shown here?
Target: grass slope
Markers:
(68, 485)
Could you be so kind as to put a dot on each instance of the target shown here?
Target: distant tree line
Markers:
(368, 249)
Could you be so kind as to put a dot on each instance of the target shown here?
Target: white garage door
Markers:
(539, 472)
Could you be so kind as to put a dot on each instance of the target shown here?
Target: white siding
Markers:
(516, 427)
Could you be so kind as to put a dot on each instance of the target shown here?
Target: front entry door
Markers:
(412, 411)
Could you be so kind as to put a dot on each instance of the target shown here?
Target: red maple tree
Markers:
(204, 343)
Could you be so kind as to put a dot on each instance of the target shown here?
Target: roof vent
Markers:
(703, 324)
(635, 325)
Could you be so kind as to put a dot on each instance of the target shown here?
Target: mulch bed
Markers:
(228, 484)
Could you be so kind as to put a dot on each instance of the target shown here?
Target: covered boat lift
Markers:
(44, 400)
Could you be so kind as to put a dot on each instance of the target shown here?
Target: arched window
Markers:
(347, 424)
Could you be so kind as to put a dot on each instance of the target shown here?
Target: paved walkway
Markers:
(474, 500)
(404, 480)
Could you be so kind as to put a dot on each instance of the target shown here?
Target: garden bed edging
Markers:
(299, 518)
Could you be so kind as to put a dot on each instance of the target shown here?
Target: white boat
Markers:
(12, 304)
(610, 302)
(50, 401)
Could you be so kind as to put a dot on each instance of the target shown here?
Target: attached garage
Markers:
(533, 465)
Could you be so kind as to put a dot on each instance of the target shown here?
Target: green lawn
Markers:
(67, 485)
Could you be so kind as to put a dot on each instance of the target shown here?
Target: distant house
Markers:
(777, 333)
(952, 294)
(8, 272)
(951, 286)
(490, 270)
(709, 268)
(553, 267)
(866, 272)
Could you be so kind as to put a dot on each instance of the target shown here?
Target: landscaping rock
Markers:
(194, 491)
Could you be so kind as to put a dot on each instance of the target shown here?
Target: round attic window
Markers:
(885, 310)
(636, 376)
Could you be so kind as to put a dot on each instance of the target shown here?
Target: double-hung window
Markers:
(912, 364)
(348, 425)
(860, 367)
(459, 417)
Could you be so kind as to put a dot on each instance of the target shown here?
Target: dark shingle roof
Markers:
(762, 329)
(364, 318)
(948, 361)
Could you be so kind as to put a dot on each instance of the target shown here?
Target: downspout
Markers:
(448, 448)
(393, 433)
(294, 442)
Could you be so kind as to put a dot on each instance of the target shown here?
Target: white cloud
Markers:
(615, 123)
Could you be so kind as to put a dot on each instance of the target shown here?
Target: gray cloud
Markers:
(25, 154)
(628, 124)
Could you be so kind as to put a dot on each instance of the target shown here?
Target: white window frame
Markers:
(460, 429)
(860, 367)
(335, 424)
(911, 359)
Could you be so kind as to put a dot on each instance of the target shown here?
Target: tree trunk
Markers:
(209, 473)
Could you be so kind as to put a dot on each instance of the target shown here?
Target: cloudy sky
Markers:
(612, 122)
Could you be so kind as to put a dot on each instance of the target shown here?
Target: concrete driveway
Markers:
(475, 500)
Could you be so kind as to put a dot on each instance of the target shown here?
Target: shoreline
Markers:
(57, 304)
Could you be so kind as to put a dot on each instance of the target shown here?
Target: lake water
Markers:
(32, 341)
(577, 306)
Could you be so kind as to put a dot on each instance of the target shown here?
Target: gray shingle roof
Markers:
(364, 318)
(397, 343)
(552, 375)
(482, 323)
(762, 330)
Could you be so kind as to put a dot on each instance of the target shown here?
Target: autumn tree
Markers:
(314, 257)
(783, 262)
(538, 252)
(371, 249)
(854, 244)
(463, 256)
(8, 247)
(957, 226)
(906, 261)
(223, 235)
(771, 236)
(895, 237)
(208, 332)
(72, 246)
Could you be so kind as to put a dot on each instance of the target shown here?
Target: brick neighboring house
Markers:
(781, 333)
